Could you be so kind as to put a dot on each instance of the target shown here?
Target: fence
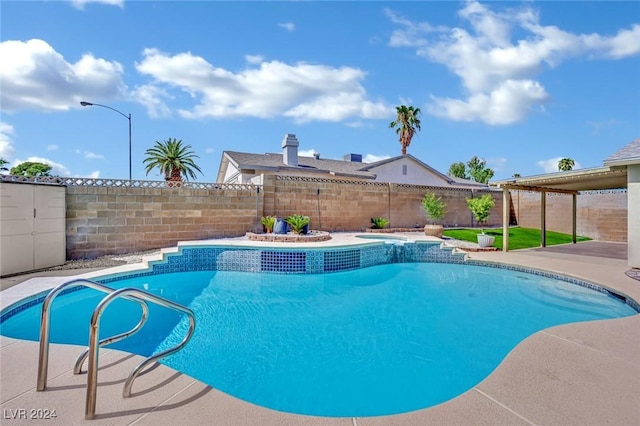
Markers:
(601, 215)
(113, 216)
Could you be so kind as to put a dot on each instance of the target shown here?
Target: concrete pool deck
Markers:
(575, 374)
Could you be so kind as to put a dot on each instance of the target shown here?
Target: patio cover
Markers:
(571, 182)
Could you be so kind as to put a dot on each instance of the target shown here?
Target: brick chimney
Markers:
(290, 150)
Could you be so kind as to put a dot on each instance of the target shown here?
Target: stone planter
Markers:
(485, 240)
(433, 230)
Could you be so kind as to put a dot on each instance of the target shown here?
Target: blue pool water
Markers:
(373, 341)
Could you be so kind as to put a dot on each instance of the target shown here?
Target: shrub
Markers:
(379, 222)
(434, 207)
(297, 222)
(268, 222)
(481, 208)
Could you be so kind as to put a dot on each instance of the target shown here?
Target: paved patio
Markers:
(575, 374)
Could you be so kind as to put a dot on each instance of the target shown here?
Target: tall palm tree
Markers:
(566, 164)
(406, 123)
(3, 163)
(173, 159)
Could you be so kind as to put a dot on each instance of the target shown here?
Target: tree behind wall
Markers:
(406, 124)
(479, 171)
(458, 170)
(174, 160)
(31, 169)
(566, 164)
(475, 169)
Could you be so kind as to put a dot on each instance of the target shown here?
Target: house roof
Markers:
(572, 181)
(612, 175)
(629, 154)
(275, 163)
(449, 179)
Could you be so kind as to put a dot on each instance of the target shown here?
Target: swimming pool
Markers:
(369, 341)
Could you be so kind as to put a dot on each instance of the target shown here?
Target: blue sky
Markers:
(520, 84)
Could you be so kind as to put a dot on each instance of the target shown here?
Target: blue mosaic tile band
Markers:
(310, 261)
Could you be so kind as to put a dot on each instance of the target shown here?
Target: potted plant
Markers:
(379, 222)
(435, 209)
(481, 209)
(268, 222)
(280, 227)
(298, 223)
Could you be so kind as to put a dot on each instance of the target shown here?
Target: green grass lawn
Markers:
(519, 238)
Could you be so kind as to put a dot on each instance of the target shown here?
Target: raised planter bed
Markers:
(391, 230)
(311, 237)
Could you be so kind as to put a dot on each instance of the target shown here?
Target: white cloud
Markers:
(598, 126)
(551, 165)
(254, 59)
(79, 4)
(371, 158)
(304, 92)
(90, 155)
(152, 98)
(35, 76)
(7, 150)
(498, 68)
(507, 104)
(93, 175)
(307, 152)
(289, 26)
(52, 147)
(497, 164)
(411, 33)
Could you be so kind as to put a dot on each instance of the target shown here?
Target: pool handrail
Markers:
(45, 319)
(94, 344)
(77, 369)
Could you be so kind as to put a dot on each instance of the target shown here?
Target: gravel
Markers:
(104, 261)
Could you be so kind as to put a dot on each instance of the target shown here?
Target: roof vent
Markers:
(290, 150)
(316, 155)
(355, 158)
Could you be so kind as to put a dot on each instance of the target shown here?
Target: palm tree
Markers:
(173, 159)
(566, 164)
(407, 123)
(3, 163)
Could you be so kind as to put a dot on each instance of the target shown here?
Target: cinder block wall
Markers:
(349, 205)
(103, 219)
(601, 215)
(112, 220)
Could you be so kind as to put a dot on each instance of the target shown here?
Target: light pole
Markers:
(128, 117)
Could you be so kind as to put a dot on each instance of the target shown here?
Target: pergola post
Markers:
(543, 217)
(574, 215)
(505, 218)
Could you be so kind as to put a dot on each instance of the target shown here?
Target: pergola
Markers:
(571, 182)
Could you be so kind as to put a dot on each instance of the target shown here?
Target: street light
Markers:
(128, 117)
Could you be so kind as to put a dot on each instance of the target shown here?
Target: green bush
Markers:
(297, 222)
(268, 222)
(379, 222)
(434, 207)
(481, 207)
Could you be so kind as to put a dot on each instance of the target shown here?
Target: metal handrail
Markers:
(94, 344)
(43, 353)
(77, 369)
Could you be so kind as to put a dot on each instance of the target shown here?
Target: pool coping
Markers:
(525, 388)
